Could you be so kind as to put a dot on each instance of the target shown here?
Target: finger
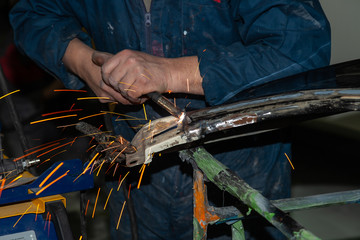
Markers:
(118, 97)
(99, 58)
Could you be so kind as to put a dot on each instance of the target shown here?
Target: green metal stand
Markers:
(226, 180)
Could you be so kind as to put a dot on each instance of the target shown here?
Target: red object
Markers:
(19, 69)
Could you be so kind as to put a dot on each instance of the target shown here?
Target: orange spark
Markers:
(118, 154)
(56, 154)
(64, 111)
(289, 161)
(69, 125)
(91, 140)
(112, 142)
(142, 173)
(9, 172)
(107, 199)
(92, 160)
(100, 168)
(92, 168)
(20, 176)
(128, 119)
(90, 148)
(9, 94)
(53, 149)
(49, 224)
(80, 237)
(47, 217)
(129, 83)
(87, 205)
(54, 118)
(119, 179)
(116, 167)
(38, 150)
(122, 180)
(51, 173)
(2, 185)
(41, 190)
(128, 89)
(143, 75)
(69, 90)
(129, 191)
(111, 164)
(91, 98)
(45, 144)
(109, 148)
(43, 162)
(145, 112)
(9, 184)
(94, 115)
(22, 215)
(123, 115)
(87, 167)
(73, 141)
(122, 209)
(37, 211)
(97, 196)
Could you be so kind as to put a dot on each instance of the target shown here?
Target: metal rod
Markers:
(13, 113)
(165, 103)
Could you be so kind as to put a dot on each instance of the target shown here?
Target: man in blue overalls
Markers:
(205, 51)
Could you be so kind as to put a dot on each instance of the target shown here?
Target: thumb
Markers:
(99, 58)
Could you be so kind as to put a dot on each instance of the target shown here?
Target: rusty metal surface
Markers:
(112, 147)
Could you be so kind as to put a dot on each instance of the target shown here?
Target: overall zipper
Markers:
(147, 24)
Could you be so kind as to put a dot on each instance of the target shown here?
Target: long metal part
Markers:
(292, 204)
(239, 119)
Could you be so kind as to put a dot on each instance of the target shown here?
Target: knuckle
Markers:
(131, 60)
(125, 52)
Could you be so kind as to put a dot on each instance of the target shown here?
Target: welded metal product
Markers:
(239, 119)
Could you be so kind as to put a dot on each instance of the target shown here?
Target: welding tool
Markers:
(163, 102)
(10, 168)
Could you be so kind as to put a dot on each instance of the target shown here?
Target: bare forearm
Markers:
(129, 75)
(77, 59)
(185, 76)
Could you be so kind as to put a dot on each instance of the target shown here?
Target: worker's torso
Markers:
(165, 28)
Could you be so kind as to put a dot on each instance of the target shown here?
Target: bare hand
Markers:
(129, 75)
(134, 74)
(77, 59)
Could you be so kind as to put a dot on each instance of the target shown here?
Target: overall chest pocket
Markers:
(207, 22)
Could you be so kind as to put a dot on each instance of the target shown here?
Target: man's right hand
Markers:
(78, 60)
